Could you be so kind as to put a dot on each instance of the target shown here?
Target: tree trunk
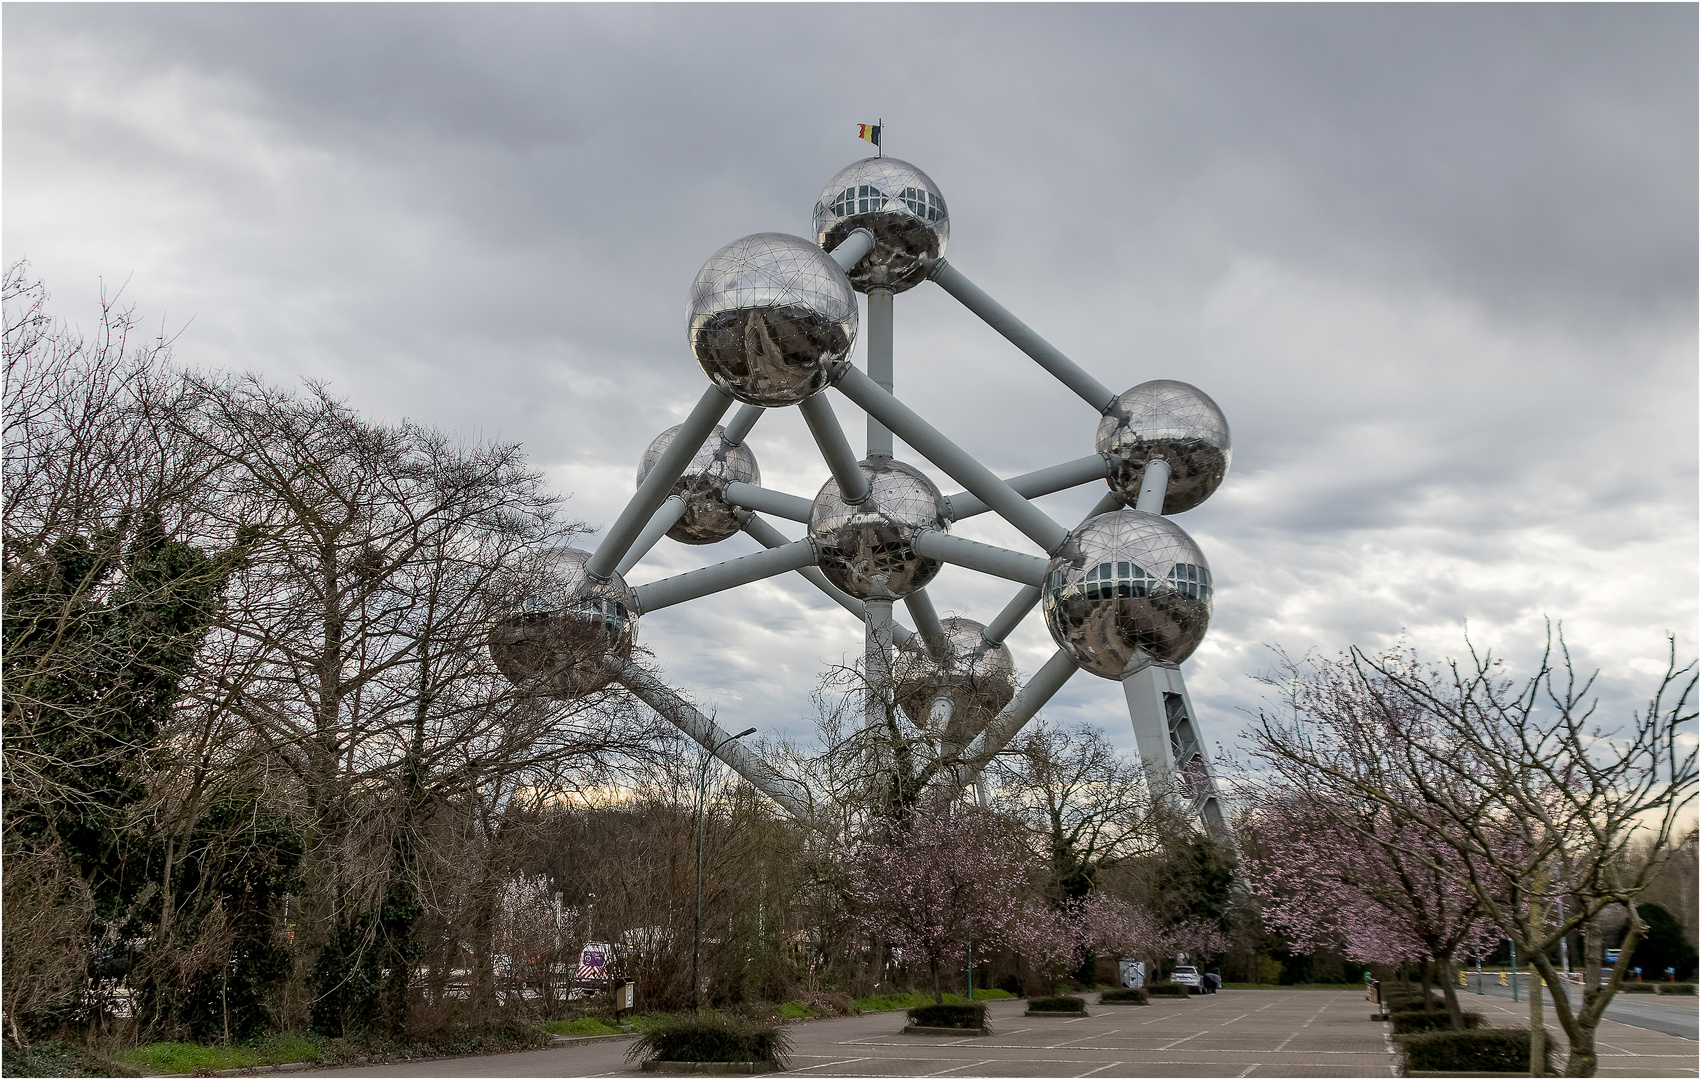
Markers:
(1455, 1014)
(1538, 1033)
(938, 995)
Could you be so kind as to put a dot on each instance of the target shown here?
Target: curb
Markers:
(1058, 1012)
(712, 1068)
(945, 1032)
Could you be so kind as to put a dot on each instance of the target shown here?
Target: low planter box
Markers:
(945, 1032)
(1062, 1005)
(1128, 995)
(712, 1068)
(1483, 1052)
(1166, 990)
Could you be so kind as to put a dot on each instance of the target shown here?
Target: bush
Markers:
(1678, 988)
(50, 1057)
(1133, 994)
(949, 1016)
(1487, 1050)
(1636, 988)
(1410, 1023)
(1166, 990)
(710, 1037)
(1062, 1003)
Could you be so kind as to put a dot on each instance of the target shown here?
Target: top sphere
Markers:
(976, 676)
(769, 317)
(901, 206)
(707, 518)
(1127, 586)
(1173, 421)
(571, 635)
(866, 548)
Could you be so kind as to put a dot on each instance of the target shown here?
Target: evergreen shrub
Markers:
(1062, 1003)
(1126, 995)
(1485, 1050)
(1411, 1023)
(962, 1015)
(1166, 990)
(710, 1037)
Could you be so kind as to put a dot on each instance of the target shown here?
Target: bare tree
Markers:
(1557, 820)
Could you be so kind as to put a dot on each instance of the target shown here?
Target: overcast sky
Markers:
(1436, 263)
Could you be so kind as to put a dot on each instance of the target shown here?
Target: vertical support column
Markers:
(877, 659)
(880, 363)
(1168, 738)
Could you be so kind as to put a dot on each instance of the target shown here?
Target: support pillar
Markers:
(1167, 733)
(877, 660)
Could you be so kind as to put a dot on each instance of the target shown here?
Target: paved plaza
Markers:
(1235, 1033)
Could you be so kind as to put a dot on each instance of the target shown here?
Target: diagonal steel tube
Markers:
(927, 622)
(659, 483)
(1023, 602)
(768, 501)
(742, 422)
(997, 561)
(1046, 355)
(768, 536)
(1025, 516)
(1030, 699)
(852, 248)
(1039, 482)
(791, 795)
(818, 414)
(727, 575)
(663, 520)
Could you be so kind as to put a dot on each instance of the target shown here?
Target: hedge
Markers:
(1129, 995)
(1410, 1023)
(1063, 1003)
(1166, 990)
(710, 1037)
(949, 1016)
(1484, 1050)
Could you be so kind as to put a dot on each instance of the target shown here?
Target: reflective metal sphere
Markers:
(864, 548)
(1125, 586)
(1173, 421)
(901, 206)
(707, 519)
(769, 317)
(977, 677)
(570, 637)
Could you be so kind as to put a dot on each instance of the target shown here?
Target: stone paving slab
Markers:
(1236, 1033)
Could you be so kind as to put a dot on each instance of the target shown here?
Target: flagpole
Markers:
(880, 147)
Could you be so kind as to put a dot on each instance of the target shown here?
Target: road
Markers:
(1680, 1016)
(1237, 1033)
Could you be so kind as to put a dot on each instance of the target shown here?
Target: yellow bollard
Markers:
(1503, 978)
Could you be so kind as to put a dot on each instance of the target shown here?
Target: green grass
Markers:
(583, 1026)
(895, 1002)
(177, 1057)
(796, 1010)
(646, 1021)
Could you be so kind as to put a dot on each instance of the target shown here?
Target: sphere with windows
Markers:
(867, 548)
(770, 317)
(1169, 421)
(708, 518)
(570, 635)
(1127, 588)
(901, 206)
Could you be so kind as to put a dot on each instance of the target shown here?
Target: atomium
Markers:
(1127, 586)
(1172, 421)
(707, 518)
(768, 318)
(901, 206)
(571, 636)
(867, 548)
(969, 683)
(771, 320)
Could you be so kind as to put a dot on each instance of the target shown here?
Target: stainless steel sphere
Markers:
(865, 548)
(901, 206)
(976, 676)
(707, 519)
(1173, 421)
(1126, 586)
(571, 635)
(769, 317)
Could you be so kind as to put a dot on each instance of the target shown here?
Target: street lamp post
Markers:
(697, 932)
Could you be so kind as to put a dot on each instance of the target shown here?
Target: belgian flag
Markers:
(869, 132)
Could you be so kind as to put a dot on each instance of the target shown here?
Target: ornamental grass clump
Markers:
(1060, 1004)
(1127, 995)
(972, 1017)
(1411, 1023)
(1488, 1050)
(710, 1037)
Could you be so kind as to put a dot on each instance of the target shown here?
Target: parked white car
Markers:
(1184, 975)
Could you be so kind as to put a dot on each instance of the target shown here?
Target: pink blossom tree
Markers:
(1356, 879)
(938, 880)
(1112, 926)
